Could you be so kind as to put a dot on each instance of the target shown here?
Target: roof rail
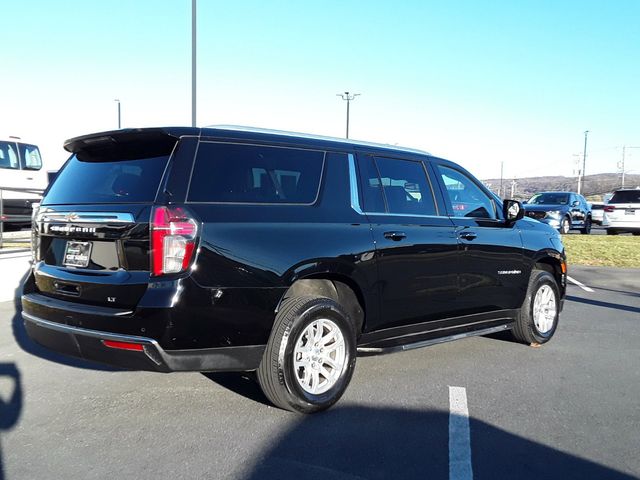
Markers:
(241, 128)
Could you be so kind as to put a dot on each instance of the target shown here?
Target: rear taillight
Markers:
(609, 208)
(173, 240)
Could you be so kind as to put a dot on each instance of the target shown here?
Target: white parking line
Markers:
(581, 285)
(459, 436)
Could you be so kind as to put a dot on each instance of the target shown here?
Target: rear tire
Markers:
(311, 355)
(587, 227)
(537, 320)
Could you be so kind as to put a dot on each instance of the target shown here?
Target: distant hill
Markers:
(594, 185)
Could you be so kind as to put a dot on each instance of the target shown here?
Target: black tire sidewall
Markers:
(542, 277)
(563, 222)
(297, 396)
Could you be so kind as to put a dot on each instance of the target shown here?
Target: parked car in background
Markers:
(226, 249)
(562, 210)
(622, 213)
(597, 213)
(21, 176)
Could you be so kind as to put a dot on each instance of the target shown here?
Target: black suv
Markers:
(229, 249)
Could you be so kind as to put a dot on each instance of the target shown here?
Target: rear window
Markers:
(113, 181)
(626, 196)
(226, 173)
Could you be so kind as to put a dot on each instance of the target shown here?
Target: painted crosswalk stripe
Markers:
(459, 435)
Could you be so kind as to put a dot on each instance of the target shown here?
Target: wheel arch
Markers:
(339, 288)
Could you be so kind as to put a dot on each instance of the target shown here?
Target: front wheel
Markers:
(565, 225)
(537, 320)
(311, 355)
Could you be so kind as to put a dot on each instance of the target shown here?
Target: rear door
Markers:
(416, 248)
(492, 272)
(92, 242)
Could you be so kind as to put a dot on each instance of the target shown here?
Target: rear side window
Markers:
(30, 157)
(405, 187)
(226, 173)
(113, 181)
(8, 156)
(626, 196)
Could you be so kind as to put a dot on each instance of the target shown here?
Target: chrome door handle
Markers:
(468, 235)
(395, 236)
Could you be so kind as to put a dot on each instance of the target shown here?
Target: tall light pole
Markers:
(193, 63)
(119, 123)
(584, 162)
(501, 177)
(348, 97)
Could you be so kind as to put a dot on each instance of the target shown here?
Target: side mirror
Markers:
(524, 202)
(575, 203)
(512, 210)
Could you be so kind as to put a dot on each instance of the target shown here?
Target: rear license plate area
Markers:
(77, 254)
(630, 211)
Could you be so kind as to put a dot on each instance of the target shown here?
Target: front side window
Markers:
(8, 156)
(225, 173)
(466, 198)
(30, 157)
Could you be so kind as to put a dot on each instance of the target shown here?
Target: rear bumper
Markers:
(88, 344)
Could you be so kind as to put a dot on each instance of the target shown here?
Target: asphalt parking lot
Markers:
(568, 410)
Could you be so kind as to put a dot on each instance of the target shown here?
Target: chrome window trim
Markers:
(85, 217)
(353, 185)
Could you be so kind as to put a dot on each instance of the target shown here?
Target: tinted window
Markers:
(626, 196)
(372, 200)
(120, 181)
(466, 198)
(406, 188)
(255, 174)
(8, 155)
(30, 157)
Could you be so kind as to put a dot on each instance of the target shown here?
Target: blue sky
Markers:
(477, 82)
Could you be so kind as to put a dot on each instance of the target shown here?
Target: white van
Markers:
(21, 178)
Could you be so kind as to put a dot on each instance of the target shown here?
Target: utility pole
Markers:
(514, 184)
(193, 63)
(584, 162)
(621, 165)
(348, 97)
(501, 176)
(119, 123)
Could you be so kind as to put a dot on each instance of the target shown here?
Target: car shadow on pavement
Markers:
(242, 383)
(354, 442)
(11, 405)
(599, 303)
(25, 343)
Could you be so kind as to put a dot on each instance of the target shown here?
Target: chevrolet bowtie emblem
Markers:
(70, 217)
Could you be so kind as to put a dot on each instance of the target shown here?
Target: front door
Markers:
(492, 271)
